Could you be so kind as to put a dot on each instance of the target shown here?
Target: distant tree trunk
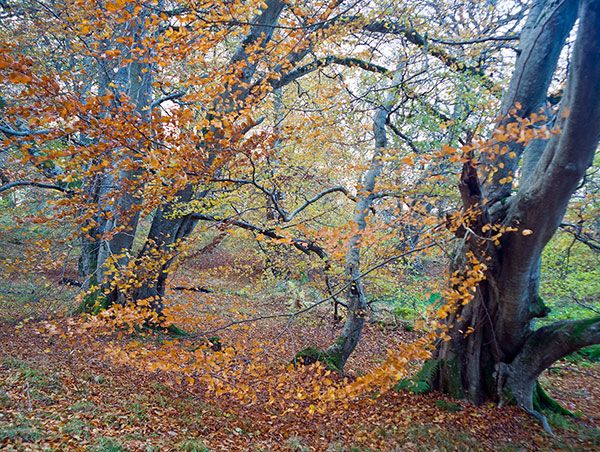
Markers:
(345, 344)
(339, 352)
(502, 358)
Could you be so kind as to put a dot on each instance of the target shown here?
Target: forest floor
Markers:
(58, 396)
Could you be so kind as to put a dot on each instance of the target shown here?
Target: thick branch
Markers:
(177, 95)
(553, 342)
(543, 38)
(414, 37)
(22, 133)
(460, 42)
(543, 199)
(326, 61)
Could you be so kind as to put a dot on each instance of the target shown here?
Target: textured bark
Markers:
(166, 229)
(115, 236)
(503, 357)
(542, 39)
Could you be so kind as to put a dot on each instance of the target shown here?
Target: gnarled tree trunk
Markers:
(503, 356)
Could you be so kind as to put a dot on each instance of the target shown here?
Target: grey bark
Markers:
(115, 236)
(542, 40)
(343, 347)
(504, 355)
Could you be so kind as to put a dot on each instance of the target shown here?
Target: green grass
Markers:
(23, 429)
(37, 379)
(192, 445)
(77, 428)
(83, 406)
(570, 283)
(106, 444)
(4, 399)
(585, 356)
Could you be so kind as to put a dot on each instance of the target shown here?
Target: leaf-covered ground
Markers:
(57, 394)
(58, 398)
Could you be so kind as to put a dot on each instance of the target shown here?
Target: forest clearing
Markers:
(340, 225)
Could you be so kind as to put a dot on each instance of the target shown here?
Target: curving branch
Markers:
(460, 42)
(306, 246)
(414, 37)
(284, 215)
(7, 130)
(315, 198)
(22, 183)
(411, 144)
(578, 234)
(173, 96)
(326, 61)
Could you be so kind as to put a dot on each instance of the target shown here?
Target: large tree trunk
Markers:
(167, 230)
(502, 357)
(117, 193)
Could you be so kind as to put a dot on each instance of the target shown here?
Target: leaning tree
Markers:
(493, 352)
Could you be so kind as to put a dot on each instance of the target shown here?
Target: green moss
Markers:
(453, 378)
(508, 398)
(451, 407)
(93, 303)
(591, 353)
(538, 308)
(311, 355)
(174, 330)
(544, 403)
(581, 326)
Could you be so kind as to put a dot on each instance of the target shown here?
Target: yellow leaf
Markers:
(527, 232)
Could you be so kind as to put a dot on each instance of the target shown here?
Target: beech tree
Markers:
(493, 352)
(154, 116)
